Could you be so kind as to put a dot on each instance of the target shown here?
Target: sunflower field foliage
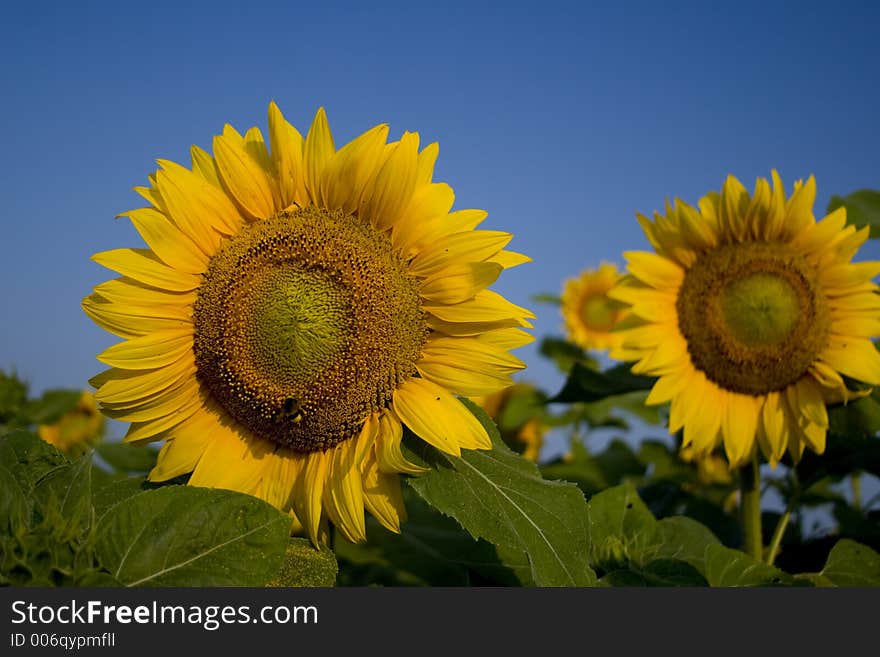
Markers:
(318, 389)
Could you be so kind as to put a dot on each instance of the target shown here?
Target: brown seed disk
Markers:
(305, 324)
(753, 315)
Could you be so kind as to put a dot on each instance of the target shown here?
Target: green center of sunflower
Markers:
(753, 316)
(305, 324)
(598, 313)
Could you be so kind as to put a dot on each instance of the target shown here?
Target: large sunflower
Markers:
(589, 313)
(297, 305)
(750, 312)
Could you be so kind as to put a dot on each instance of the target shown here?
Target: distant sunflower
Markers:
(76, 430)
(294, 309)
(589, 313)
(750, 312)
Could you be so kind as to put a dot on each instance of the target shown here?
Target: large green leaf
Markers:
(682, 539)
(499, 496)
(862, 209)
(186, 536)
(632, 548)
(588, 385)
(727, 567)
(303, 565)
(110, 494)
(849, 564)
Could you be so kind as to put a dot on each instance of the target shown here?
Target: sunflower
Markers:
(751, 313)
(589, 313)
(77, 429)
(297, 305)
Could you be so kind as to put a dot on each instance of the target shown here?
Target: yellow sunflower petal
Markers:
(124, 386)
(388, 453)
(351, 168)
(394, 184)
(309, 492)
(469, 246)
(231, 460)
(656, 270)
(287, 153)
(170, 244)
(382, 496)
(143, 265)
(317, 151)
(738, 426)
(438, 418)
(468, 367)
(343, 494)
(130, 324)
(460, 283)
(149, 351)
(204, 167)
(486, 306)
(775, 427)
(510, 259)
(856, 358)
(244, 179)
(199, 204)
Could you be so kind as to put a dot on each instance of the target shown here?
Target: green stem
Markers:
(856, 482)
(750, 501)
(773, 549)
(782, 524)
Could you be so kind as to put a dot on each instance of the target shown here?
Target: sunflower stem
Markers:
(856, 483)
(776, 540)
(750, 495)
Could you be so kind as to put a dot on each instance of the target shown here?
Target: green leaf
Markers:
(565, 354)
(587, 385)
(431, 550)
(635, 549)
(671, 572)
(501, 497)
(862, 209)
(303, 565)
(28, 458)
(63, 496)
(682, 539)
(125, 457)
(621, 528)
(594, 473)
(187, 536)
(109, 495)
(13, 396)
(849, 564)
(727, 567)
(13, 504)
(545, 297)
(52, 405)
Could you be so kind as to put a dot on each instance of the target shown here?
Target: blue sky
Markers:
(560, 119)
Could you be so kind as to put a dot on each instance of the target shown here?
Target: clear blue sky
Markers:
(560, 119)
